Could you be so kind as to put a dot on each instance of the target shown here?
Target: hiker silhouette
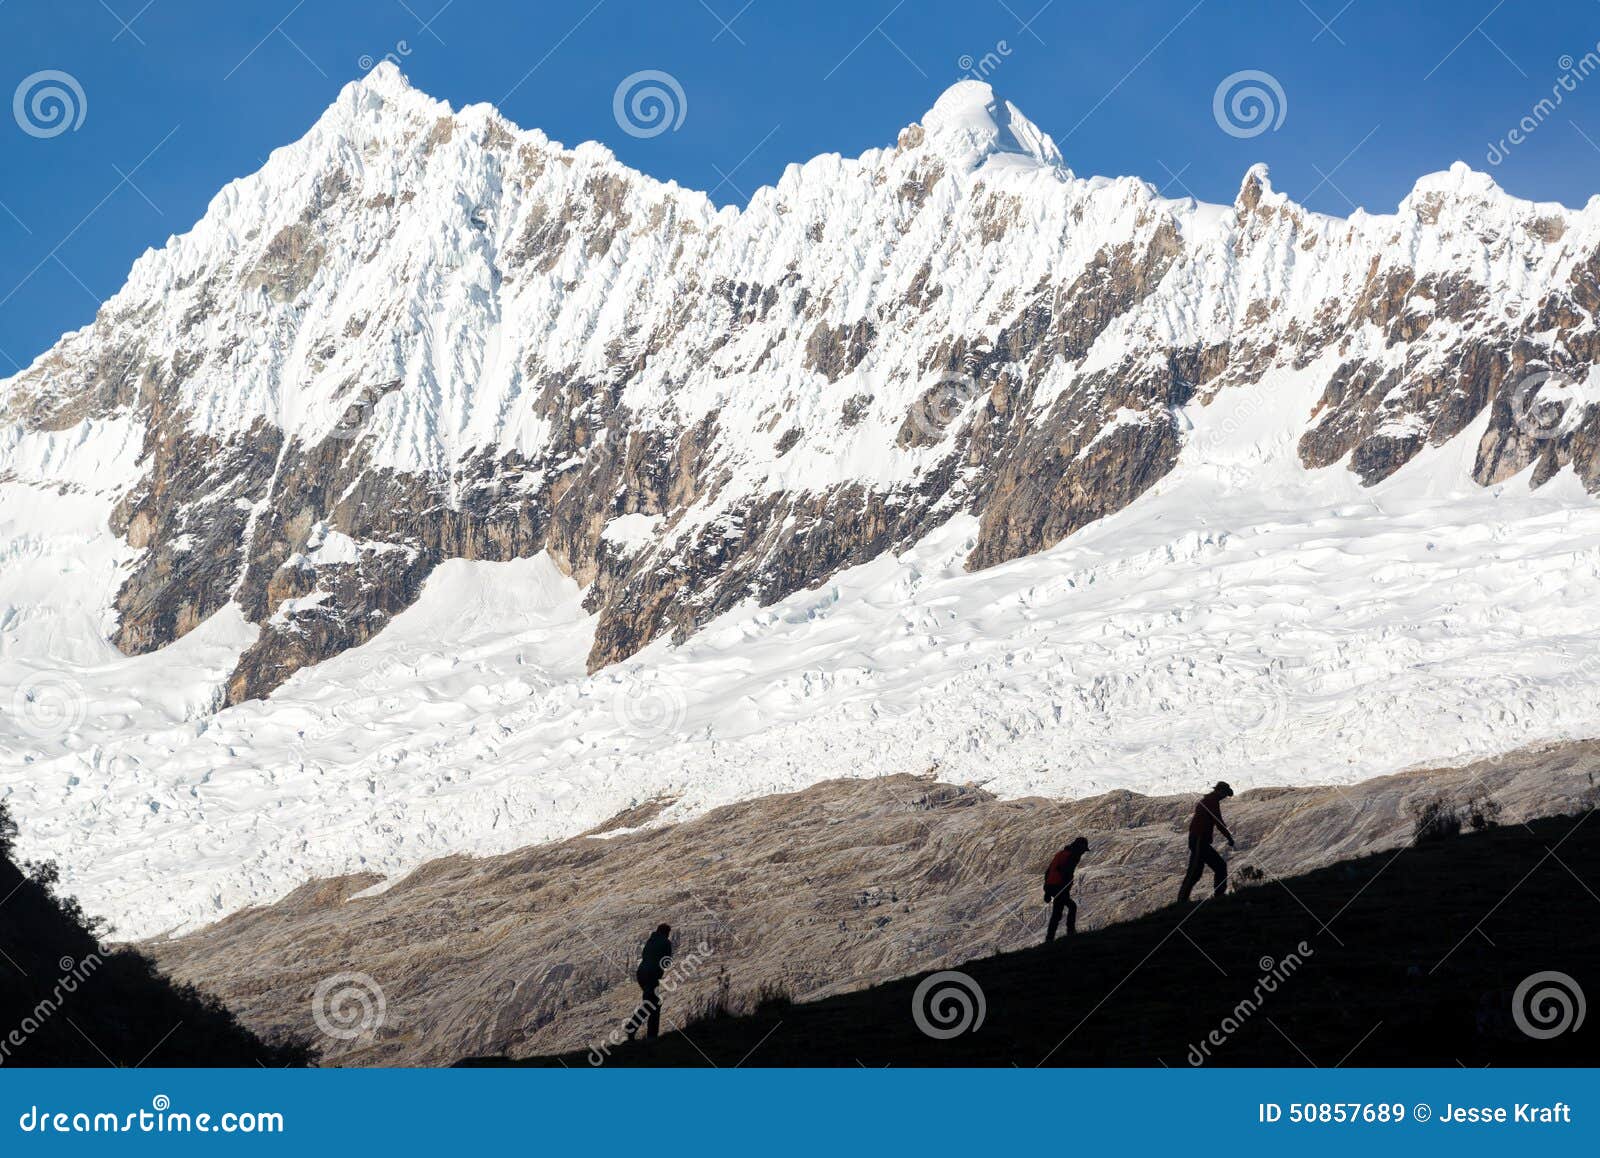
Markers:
(1207, 820)
(653, 964)
(1058, 887)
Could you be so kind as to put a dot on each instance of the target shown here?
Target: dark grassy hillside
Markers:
(65, 1000)
(1408, 958)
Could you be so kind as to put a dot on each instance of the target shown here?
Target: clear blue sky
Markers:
(187, 95)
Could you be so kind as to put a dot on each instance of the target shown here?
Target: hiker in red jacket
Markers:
(1058, 887)
(1207, 819)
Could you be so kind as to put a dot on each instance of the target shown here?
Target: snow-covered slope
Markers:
(445, 489)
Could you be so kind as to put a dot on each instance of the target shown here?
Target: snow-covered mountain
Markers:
(446, 489)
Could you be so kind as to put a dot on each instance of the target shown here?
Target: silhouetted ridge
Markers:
(67, 1000)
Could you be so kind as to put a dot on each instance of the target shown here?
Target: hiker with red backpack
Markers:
(1206, 821)
(1058, 887)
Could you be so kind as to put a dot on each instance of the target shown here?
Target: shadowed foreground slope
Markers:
(845, 885)
(1411, 957)
(67, 1001)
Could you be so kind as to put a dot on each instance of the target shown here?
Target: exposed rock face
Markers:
(838, 887)
(424, 335)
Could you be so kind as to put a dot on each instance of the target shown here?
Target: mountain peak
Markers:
(385, 79)
(1256, 187)
(1460, 181)
(969, 123)
(381, 87)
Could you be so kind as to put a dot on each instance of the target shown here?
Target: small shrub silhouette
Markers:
(1438, 819)
(1482, 812)
(713, 1006)
(1589, 798)
(771, 996)
(1434, 819)
(1247, 876)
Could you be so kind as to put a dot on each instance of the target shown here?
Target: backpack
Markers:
(1051, 891)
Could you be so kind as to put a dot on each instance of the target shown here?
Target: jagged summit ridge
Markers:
(416, 310)
(969, 122)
